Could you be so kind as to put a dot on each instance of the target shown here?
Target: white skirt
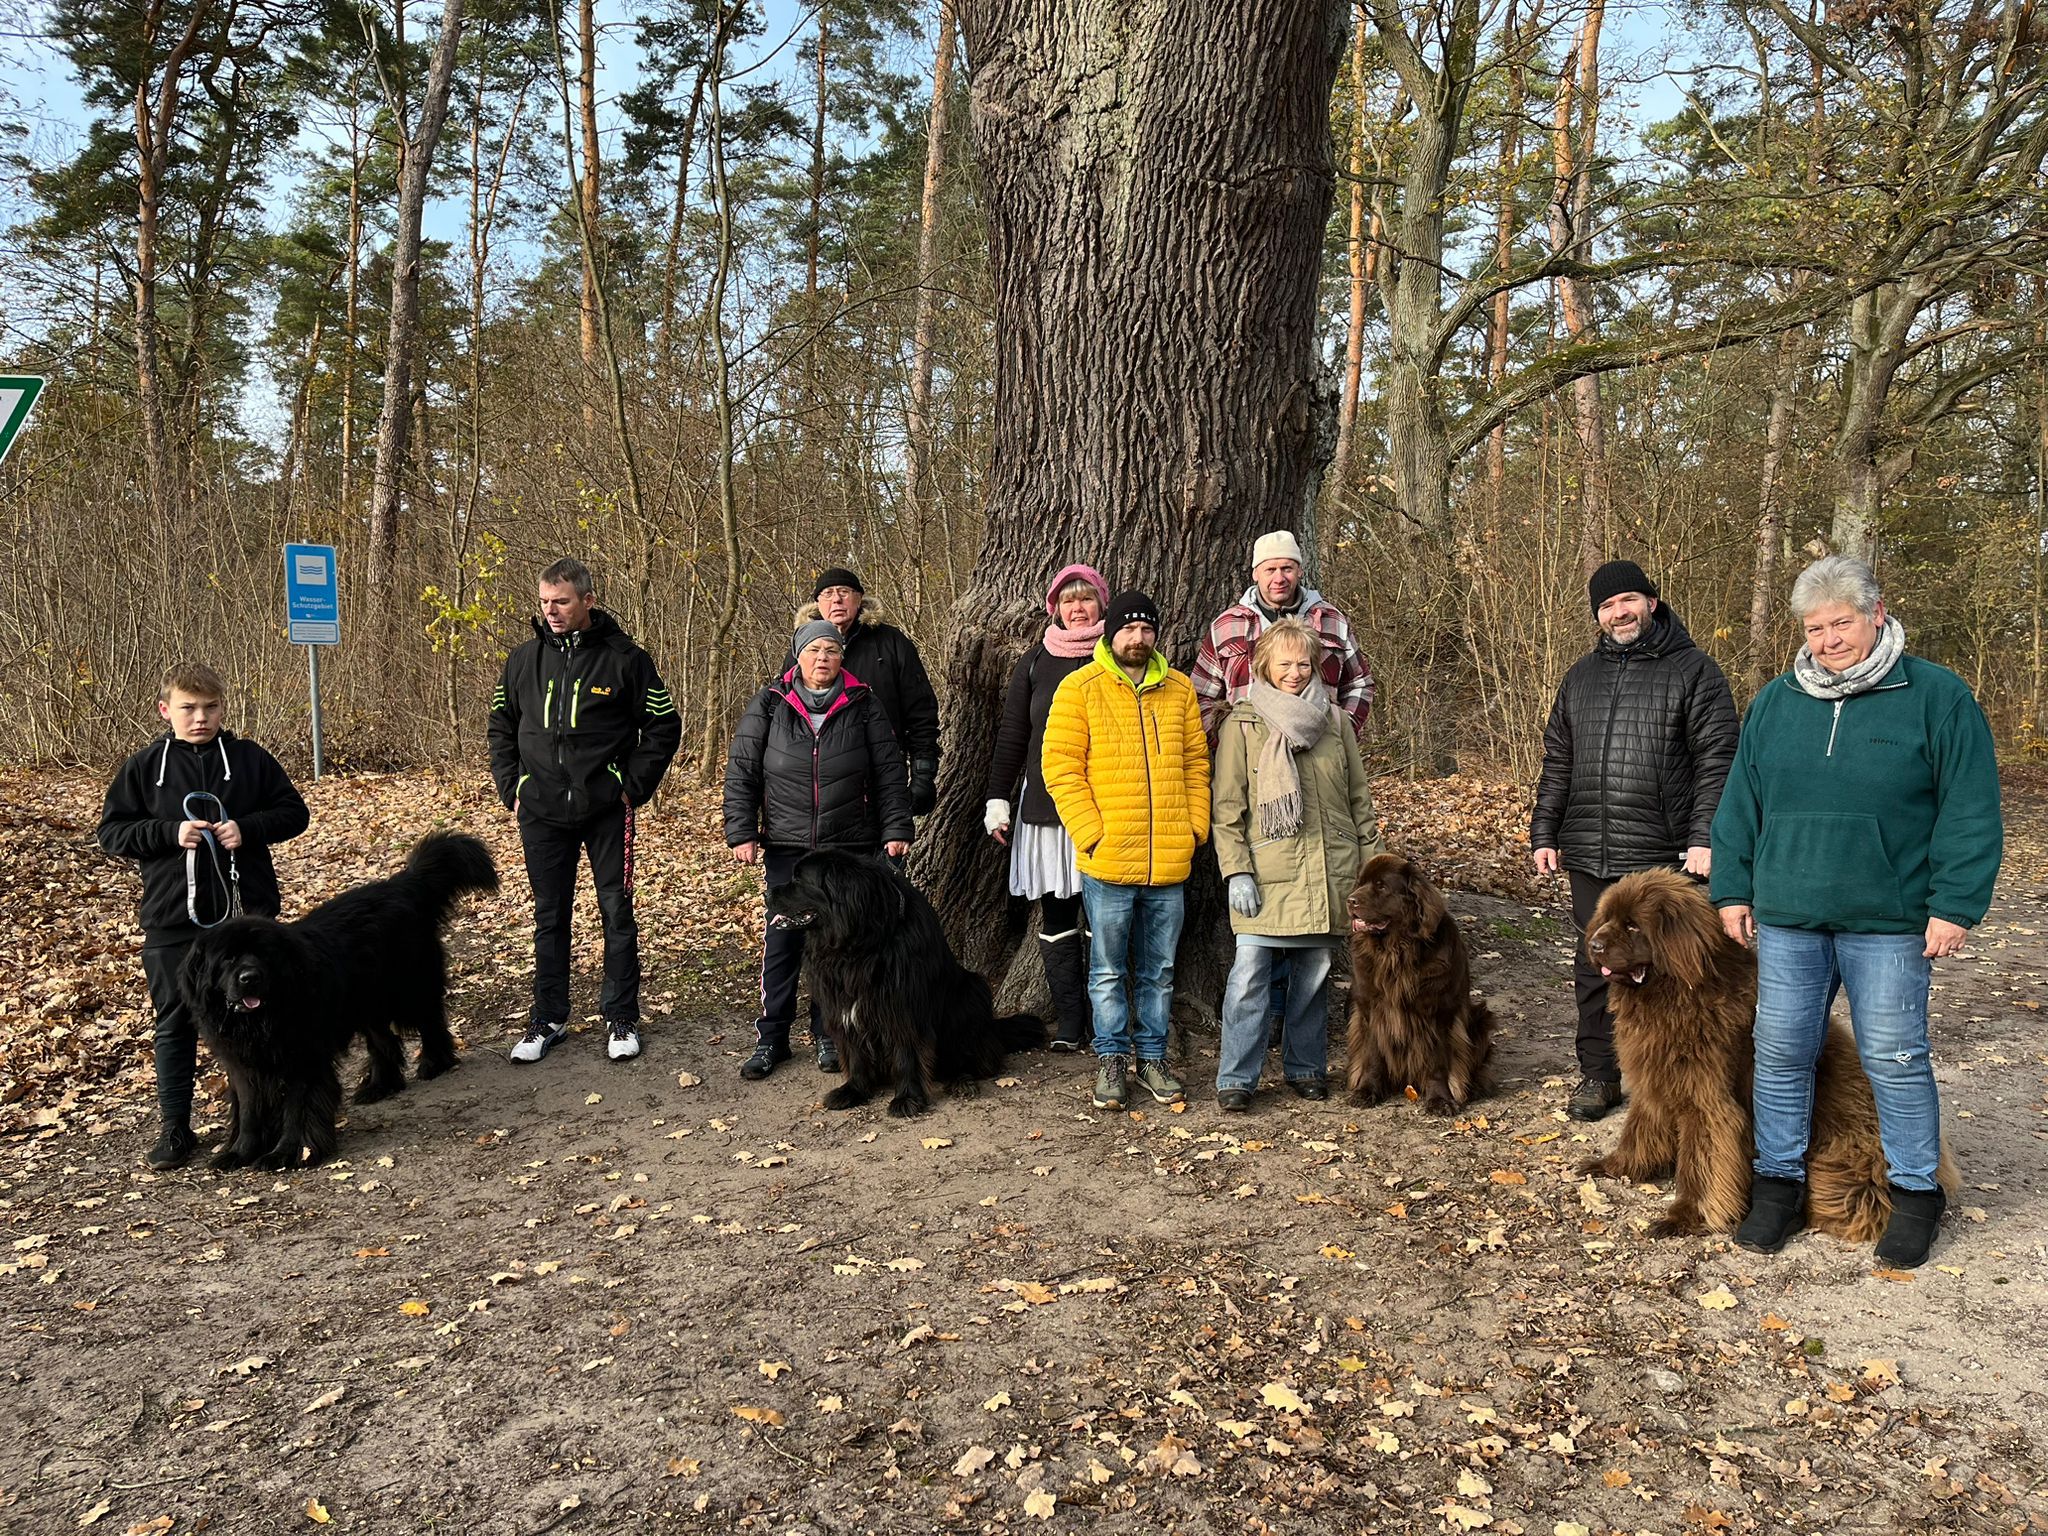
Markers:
(1042, 861)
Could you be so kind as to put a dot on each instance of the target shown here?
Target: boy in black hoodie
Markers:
(198, 808)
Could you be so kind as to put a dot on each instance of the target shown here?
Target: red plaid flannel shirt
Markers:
(1222, 673)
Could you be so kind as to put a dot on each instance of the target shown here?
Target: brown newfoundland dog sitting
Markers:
(1684, 1000)
(1413, 1020)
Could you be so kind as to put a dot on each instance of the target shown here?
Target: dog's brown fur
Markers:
(1684, 1000)
(1413, 1020)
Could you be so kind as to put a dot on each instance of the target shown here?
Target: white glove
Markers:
(1244, 895)
(995, 817)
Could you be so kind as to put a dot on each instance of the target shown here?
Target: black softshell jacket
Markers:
(1636, 752)
(840, 786)
(146, 802)
(578, 721)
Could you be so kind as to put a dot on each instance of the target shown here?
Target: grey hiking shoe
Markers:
(1160, 1083)
(1592, 1099)
(1111, 1091)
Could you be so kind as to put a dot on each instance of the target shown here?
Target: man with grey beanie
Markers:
(1634, 758)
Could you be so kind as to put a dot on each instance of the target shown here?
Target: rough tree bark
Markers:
(1158, 178)
(394, 417)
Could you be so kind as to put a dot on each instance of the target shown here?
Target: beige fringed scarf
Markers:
(1294, 723)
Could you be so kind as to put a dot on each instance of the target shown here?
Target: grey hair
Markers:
(1075, 586)
(1836, 579)
(568, 573)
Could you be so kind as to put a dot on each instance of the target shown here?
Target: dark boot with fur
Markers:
(1916, 1217)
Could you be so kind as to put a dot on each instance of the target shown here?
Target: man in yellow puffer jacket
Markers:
(1127, 766)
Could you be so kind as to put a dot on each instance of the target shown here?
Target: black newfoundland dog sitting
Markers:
(903, 1011)
(278, 1003)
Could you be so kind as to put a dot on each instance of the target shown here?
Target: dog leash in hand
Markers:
(228, 883)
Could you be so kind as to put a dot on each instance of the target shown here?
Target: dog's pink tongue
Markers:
(252, 1003)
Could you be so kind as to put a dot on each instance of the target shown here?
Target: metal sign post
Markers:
(312, 601)
(18, 395)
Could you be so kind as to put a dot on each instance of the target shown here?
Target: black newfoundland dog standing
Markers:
(902, 1009)
(278, 1003)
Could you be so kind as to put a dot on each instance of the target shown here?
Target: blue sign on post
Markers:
(312, 600)
(312, 607)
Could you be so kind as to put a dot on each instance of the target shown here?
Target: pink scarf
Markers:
(1070, 643)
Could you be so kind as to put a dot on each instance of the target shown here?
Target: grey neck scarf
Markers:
(1294, 723)
(1817, 680)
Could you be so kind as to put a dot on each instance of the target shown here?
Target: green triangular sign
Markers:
(18, 396)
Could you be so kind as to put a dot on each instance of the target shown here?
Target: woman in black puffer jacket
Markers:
(813, 765)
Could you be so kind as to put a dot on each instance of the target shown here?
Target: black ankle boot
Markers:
(173, 1147)
(1916, 1216)
(1777, 1213)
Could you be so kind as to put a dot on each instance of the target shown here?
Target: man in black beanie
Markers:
(886, 659)
(1634, 757)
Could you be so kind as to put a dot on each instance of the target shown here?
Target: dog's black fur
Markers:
(902, 1010)
(278, 1003)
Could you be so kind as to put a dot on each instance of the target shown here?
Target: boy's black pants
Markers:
(551, 857)
(177, 1038)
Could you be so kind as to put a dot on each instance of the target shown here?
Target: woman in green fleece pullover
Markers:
(1856, 843)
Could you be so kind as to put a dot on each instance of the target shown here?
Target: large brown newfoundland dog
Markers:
(1684, 1000)
(1413, 1021)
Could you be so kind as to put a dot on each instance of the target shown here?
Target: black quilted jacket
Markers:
(1635, 754)
(840, 786)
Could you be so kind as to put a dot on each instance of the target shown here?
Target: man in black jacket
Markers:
(1634, 757)
(582, 730)
(886, 660)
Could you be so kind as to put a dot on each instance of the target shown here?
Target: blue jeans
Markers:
(1798, 973)
(1305, 1039)
(1135, 929)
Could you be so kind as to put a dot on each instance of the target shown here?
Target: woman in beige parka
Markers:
(1293, 823)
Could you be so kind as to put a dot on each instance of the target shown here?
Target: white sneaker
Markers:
(624, 1043)
(538, 1040)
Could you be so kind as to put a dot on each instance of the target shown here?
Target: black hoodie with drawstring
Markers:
(146, 802)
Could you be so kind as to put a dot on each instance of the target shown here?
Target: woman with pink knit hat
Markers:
(1042, 861)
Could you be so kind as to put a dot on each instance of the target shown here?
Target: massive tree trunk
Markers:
(394, 417)
(1158, 179)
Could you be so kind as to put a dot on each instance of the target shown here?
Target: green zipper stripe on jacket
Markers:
(575, 699)
(547, 707)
